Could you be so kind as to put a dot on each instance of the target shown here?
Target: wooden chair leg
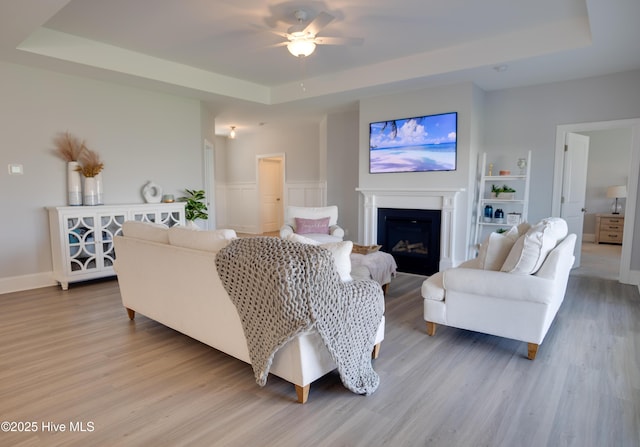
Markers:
(131, 313)
(303, 393)
(431, 328)
(385, 289)
(376, 351)
(532, 350)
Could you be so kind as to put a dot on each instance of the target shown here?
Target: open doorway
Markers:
(271, 171)
(629, 166)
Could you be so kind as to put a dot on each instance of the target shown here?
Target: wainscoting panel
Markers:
(220, 202)
(306, 194)
(242, 207)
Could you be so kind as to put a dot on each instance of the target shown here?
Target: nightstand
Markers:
(609, 228)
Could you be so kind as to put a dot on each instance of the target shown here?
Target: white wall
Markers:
(143, 135)
(458, 98)
(510, 122)
(342, 156)
(526, 118)
(140, 136)
(300, 142)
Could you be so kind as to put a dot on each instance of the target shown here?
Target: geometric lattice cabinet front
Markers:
(82, 236)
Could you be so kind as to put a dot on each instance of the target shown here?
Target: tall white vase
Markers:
(74, 184)
(90, 196)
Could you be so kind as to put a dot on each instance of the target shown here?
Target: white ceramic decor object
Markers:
(152, 192)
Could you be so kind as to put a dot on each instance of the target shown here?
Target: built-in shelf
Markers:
(518, 206)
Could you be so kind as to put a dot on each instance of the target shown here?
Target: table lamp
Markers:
(617, 192)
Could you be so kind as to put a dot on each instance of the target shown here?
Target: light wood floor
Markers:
(74, 357)
(599, 261)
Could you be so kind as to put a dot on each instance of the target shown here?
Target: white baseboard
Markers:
(26, 282)
(634, 278)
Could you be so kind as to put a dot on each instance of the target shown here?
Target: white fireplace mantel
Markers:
(443, 199)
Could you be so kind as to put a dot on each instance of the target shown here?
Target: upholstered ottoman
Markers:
(381, 266)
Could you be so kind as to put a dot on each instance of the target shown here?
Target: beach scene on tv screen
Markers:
(416, 144)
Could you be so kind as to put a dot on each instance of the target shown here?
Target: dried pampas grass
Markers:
(90, 163)
(68, 147)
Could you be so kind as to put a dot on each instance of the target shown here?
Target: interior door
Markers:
(574, 186)
(270, 173)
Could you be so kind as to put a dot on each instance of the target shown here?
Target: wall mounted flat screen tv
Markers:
(417, 144)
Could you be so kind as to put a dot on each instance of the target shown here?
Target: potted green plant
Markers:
(502, 192)
(196, 207)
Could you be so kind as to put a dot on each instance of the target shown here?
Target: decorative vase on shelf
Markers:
(488, 213)
(90, 196)
(74, 184)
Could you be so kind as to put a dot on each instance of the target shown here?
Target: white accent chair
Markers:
(334, 234)
(505, 302)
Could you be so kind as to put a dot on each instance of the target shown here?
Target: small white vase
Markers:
(74, 184)
(90, 196)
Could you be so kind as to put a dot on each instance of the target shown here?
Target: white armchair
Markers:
(317, 223)
(506, 302)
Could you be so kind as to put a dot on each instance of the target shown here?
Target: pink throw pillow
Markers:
(312, 226)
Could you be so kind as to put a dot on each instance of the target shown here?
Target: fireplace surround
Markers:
(442, 199)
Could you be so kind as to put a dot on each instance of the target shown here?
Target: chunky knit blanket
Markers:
(282, 288)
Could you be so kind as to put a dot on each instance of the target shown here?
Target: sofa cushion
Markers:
(531, 249)
(433, 287)
(146, 230)
(200, 240)
(341, 252)
(495, 249)
(312, 226)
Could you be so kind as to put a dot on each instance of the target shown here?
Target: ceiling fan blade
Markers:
(338, 41)
(272, 31)
(281, 44)
(321, 20)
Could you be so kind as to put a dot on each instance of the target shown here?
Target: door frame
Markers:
(626, 276)
(209, 169)
(282, 156)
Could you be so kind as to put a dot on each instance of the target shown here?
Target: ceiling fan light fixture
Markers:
(301, 46)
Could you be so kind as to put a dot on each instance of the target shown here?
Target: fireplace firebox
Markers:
(412, 237)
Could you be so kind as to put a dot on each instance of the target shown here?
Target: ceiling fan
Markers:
(302, 38)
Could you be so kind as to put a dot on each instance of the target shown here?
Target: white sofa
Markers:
(170, 276)
(334, 232)
(514, 288)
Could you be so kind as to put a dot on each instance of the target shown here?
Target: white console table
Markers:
(82, 236)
